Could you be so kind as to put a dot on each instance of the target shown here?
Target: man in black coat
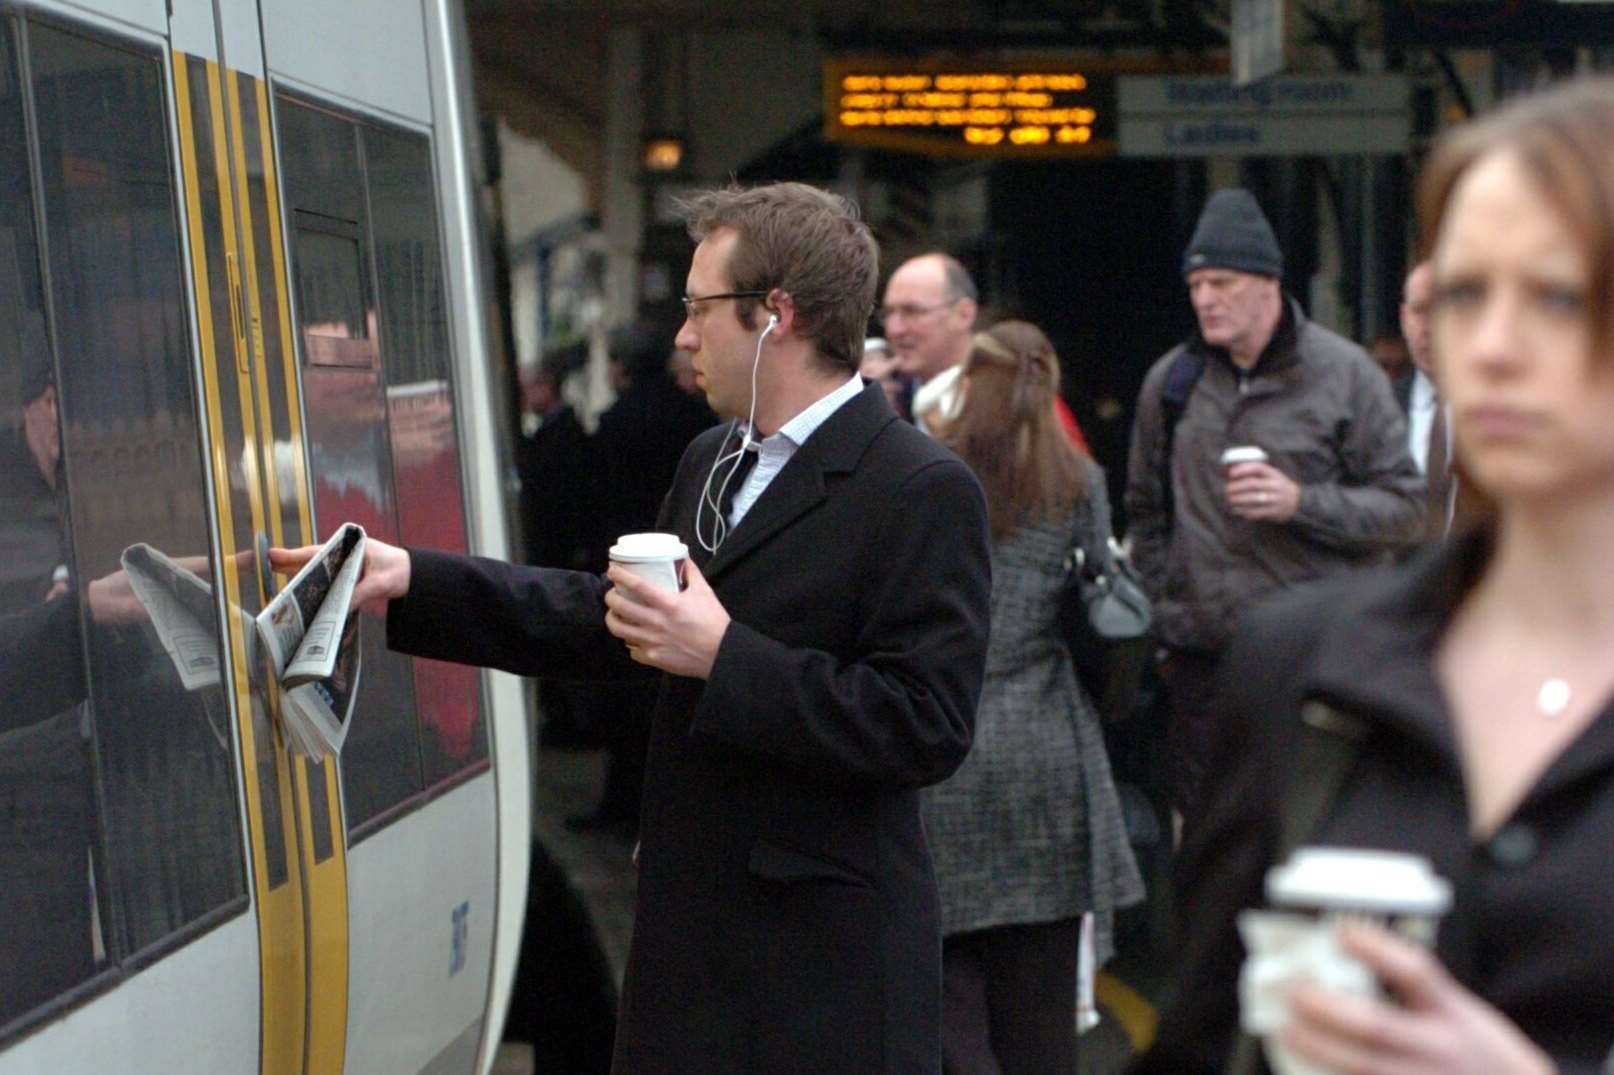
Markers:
(821, 664)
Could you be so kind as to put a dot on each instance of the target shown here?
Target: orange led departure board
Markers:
(970, 106)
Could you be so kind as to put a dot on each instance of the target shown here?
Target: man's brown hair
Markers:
(1563, 138)
(1008, 433)
(806, 242)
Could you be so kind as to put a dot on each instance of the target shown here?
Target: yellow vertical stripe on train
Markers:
(294, 416)
(271, 183)
(252, 330)
(291, 1008)
(280, 911)
(327, 881)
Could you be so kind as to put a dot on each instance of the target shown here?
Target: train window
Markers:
(109, 602)
(349, 448)
(420, 409)
(135, 479)
(48, 936)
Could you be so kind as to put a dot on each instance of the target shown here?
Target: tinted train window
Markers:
(420, 410)
(380, 405)
(136, 483)
(111, 649)
(48, 915)
(351, 457)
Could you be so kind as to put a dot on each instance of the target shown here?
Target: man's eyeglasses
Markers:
(911, 312)
(692, 303)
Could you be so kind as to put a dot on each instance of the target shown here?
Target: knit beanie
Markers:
(1233, 233)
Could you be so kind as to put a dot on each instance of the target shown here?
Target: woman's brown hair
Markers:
(1007, 431)
(1564, 139)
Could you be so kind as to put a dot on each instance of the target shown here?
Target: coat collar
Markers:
(1281, 352)
(835, 447)
(1379, 662)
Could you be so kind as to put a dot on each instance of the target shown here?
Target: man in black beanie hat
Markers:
(1325, 484)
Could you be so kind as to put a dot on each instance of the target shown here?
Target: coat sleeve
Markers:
(41, 662)
(1148, 524)
(899, 710)
(1379, 499)
(1229, 842)
(531, 621)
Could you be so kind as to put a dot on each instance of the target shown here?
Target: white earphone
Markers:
(731, 459)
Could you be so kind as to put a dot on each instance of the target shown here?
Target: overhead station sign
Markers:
(1295, 115)
(970, 107)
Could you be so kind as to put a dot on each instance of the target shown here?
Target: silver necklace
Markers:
(1552, 697)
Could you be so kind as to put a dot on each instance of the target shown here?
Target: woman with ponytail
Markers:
(1027, 836)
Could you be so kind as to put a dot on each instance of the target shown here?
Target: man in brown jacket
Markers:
(1336, 491)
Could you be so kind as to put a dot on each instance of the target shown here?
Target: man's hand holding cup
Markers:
(677, 630)
(1257, 490)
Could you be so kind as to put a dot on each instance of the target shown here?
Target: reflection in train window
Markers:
(330, 284)
(383, 449)
(48, 937)
(349, 453)
(110, 605)
(134, 472)
(420, 409)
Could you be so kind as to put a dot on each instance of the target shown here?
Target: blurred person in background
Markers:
(880, 366)
(1336, 492)
(553, 461)
(640, 439)
(1477, 678)
(1027, 835)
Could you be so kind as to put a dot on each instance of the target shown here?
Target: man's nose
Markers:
(687, 339)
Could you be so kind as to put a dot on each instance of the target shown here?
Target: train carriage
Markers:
(240, 304)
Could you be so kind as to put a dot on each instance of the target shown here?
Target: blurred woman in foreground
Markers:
(1481, 673)
(1027, 836)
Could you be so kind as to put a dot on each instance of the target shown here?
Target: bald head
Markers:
(1416, 295)
(929, 314)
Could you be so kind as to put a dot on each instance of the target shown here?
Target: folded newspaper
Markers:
(179, 603)
(310, 632)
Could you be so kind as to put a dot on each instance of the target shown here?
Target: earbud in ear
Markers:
(773, 320)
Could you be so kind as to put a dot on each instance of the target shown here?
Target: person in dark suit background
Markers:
(553, 461)
(635, 452)
(811, 681)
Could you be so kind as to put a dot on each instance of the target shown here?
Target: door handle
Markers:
(266, 576)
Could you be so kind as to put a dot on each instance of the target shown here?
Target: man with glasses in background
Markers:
(929, 317)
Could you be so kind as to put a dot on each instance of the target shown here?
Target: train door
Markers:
(372, 317)
(243, 313)
(124, 902)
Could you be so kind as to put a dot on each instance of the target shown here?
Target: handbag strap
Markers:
(1328, 744)
(1091, 537)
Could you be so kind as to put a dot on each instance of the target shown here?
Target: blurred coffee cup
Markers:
(1243, 453)
(1313, 894)
(653, 557)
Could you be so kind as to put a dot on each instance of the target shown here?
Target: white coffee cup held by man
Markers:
(1313, 894)
(657, 558)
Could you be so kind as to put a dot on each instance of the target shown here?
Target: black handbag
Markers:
(1104, 614)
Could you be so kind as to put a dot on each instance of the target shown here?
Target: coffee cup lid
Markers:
(1353, 879)
(644, 548)
(1245, 453)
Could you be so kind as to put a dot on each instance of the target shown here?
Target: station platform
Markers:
(598, 869)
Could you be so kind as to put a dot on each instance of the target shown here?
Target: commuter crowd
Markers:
(879, 826)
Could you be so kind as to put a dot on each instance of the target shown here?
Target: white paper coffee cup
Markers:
(1243, 453)
(653, 557)
(1396, 890)
(1312, 894)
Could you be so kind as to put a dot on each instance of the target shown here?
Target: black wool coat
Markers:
(787, 917)
(1531, 930)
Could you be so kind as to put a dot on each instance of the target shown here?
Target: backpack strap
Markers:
(1181, 377)
(1328, 744)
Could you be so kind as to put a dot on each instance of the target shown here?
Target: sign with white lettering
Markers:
(1297, 115)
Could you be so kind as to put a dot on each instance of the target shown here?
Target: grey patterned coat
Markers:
(1029, 829)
